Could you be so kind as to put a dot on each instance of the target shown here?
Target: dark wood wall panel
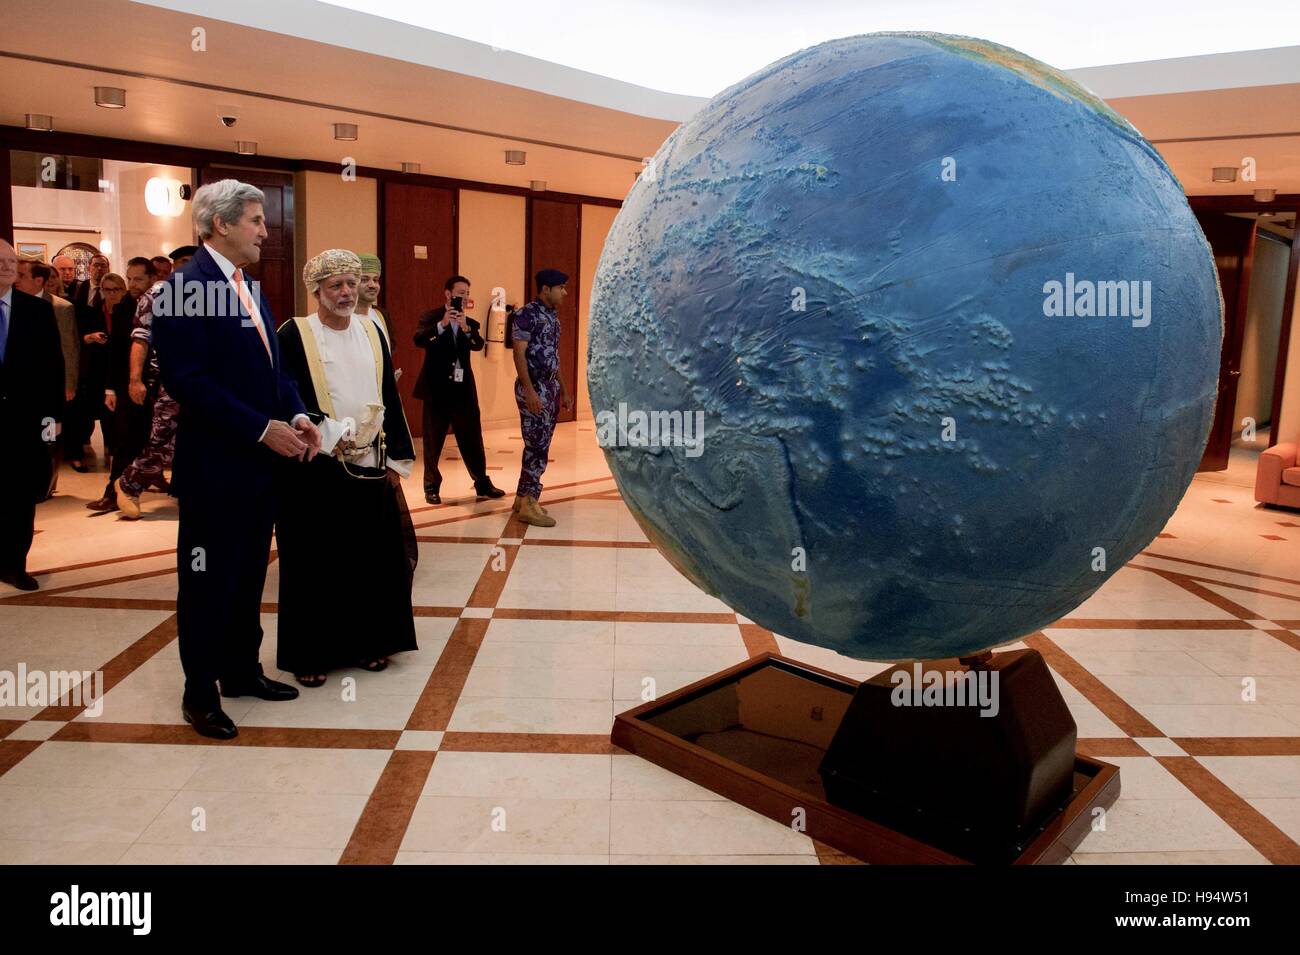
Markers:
(554, 242)
(275, 269)
(415, 215)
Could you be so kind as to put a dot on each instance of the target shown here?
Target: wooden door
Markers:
(554, 242)
(419, 255)
(274, 270)
(1232, 239)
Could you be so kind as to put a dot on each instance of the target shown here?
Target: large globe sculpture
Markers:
(950, 328)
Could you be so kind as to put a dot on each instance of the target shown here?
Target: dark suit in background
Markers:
(92, 376)
(31, 401)
(217, 369)
(448, 402)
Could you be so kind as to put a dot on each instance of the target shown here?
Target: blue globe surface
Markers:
(868, 267)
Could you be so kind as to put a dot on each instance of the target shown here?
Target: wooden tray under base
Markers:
(756, 733)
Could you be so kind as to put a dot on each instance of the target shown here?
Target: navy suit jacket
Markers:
(216, 368)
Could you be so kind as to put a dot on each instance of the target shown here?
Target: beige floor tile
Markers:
(525, 683)
(501, 715)
(1161, 825)
(519, 776)
(258, 819)
(287, 770)
(76, 814)
(325, 708)
(1200, 719)
(1198, 857)
(698, 827)
(516, 825)
(679, 634)
(550, 631)
(1258, 776)
(636, 778)
(156, 854)
(106, 766)
(32, 852)
(496, 858)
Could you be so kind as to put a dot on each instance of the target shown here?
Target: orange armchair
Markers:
(1277, 481)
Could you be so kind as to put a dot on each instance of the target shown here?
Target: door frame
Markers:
(1281, 204)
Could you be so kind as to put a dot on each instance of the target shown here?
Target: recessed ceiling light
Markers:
(1265, 195)
(1224, 174)
(40, 122)
(515, 157)
(110, 97)
(411, 167)
(537, 185)
(345, 131)
(246, 147)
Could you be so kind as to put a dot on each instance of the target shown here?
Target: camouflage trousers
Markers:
(537, 430)
(148, 466)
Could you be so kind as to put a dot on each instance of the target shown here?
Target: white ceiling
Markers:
(289, 90)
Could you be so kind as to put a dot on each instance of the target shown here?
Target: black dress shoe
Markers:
(434, 498)
(21, 580)
(262, 688)
(488, 490)
(214, 724)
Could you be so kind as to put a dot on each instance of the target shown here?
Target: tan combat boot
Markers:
(531, 513)
(518, 500)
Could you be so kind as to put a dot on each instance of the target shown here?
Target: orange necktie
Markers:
(242, 290)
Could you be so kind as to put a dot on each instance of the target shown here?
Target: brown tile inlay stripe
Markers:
(492, 579)
(180, 733)
(449, 539)
(92, 603)
(1285, 636)
(382, 824)
(1206, 594)
(570, 743)
(436, 611)
(434, 708)
(555, 542)
(1231, 585)
(1233, 570)
(119, 668)
(758, 639)
(620, 616)
(1101, 746)
(1247, 821)
(100, 563)
(14, 751)
(1112, 706)
(88, 584)
(8, 726)
(1116, 623)
(1240, 745)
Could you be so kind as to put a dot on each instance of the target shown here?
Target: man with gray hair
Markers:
(239, 412)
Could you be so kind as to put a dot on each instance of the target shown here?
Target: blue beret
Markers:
(550, 277)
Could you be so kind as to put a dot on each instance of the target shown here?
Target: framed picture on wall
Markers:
(32, 250)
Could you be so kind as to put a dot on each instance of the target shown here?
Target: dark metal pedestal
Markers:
(758, 732)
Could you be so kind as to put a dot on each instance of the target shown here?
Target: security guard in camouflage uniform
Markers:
(539, 390)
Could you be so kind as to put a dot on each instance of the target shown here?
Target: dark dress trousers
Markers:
(31, 402)
(217, 369)
(131, 422)
(447, 402)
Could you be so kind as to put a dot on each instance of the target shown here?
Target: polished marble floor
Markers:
(491, 743)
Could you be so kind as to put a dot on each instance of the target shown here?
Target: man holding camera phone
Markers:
(446, 386)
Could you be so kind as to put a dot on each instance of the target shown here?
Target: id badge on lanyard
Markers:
(458, 373)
